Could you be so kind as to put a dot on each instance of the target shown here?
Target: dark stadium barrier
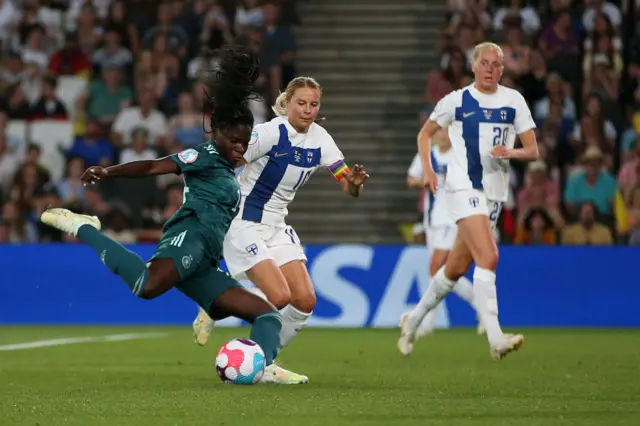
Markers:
(357, 285)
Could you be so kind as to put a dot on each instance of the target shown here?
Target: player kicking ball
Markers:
(190, 249)
(484, 120)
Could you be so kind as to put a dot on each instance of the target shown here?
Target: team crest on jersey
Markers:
(310, 157)
(297, 156)
(487, 113)
(188, 156)
(503, 115)
(252, 249)
(186, 262)
(254, 137)
(474, 201)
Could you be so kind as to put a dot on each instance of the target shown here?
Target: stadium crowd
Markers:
(97, 82)
(128, 81)
(577, 63)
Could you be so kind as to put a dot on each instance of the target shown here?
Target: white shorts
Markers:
(441, 237)
(249, 243)
(471, 202)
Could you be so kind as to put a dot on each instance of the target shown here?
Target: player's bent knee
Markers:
(305, 302)
(488, 260)
(280, 297)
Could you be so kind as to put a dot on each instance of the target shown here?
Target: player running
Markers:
(260, 246)
(484, 119)
(441, 229)
(190, 249)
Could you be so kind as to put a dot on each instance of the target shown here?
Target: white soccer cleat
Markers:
(407, 337)
(68, 221)
(276, 374)
(508, 343)
(202, 327)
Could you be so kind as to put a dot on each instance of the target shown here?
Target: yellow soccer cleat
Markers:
(202, 327)
(275, 374)
(68, 221)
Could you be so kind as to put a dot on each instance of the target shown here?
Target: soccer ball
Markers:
(240, 362)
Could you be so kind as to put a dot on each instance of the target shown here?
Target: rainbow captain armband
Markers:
(339, 170)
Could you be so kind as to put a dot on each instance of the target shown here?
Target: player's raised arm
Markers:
(133, 169)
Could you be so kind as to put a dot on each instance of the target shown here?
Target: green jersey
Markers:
(211, 191)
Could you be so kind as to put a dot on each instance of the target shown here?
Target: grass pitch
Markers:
(560, 377)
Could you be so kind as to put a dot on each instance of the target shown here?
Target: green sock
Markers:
(266, 333)
(122, 262)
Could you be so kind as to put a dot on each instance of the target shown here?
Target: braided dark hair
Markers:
(233, 88)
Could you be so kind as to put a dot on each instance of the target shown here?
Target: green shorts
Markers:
(201, 278)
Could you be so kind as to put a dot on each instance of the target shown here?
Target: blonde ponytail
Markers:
(280, 107)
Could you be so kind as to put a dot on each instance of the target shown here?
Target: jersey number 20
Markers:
(500, 135)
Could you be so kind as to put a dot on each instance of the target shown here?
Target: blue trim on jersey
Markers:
(470, 114)
(439, 169)
(280, 157)
(432, 200)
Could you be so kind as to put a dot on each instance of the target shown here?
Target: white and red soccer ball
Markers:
(240, 362)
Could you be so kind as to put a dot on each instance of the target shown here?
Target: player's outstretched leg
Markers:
(267, 325)
(438, 289)
(125, 263)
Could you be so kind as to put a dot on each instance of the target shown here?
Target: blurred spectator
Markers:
(441, 82)
(107, 96)
(34, 51)
(12, 70)
(536, 229)
(602, 79)
(248, 16)
(88, 29)
(94, 203)
(8, 165)
(629, 175)
(588, 231)
(70, 60)
(560, 47)
(278, 50)
(139, 149)
(71, 188)
(18, 228)
(593, 185)
(516, 54)
(118, 227)
(557, 93)
(92, 147)
(186, 125)
(32, 158)
(49, 107)
(144, 115)
(177, 40)
(526, 16)
(117, 22)
(8, 15)
(533, 83)
(540, 192)
(600, 7)
(634, 215)
(113, 54)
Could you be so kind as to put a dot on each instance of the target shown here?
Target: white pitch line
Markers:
(74, 340)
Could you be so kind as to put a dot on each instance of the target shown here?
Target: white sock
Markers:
(427, 323)
(464, 290)
(438, 289)
(486, 301)
(293, 321)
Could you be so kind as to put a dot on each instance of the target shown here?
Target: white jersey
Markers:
(435, 207)
(279, 161)
(477, 123)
